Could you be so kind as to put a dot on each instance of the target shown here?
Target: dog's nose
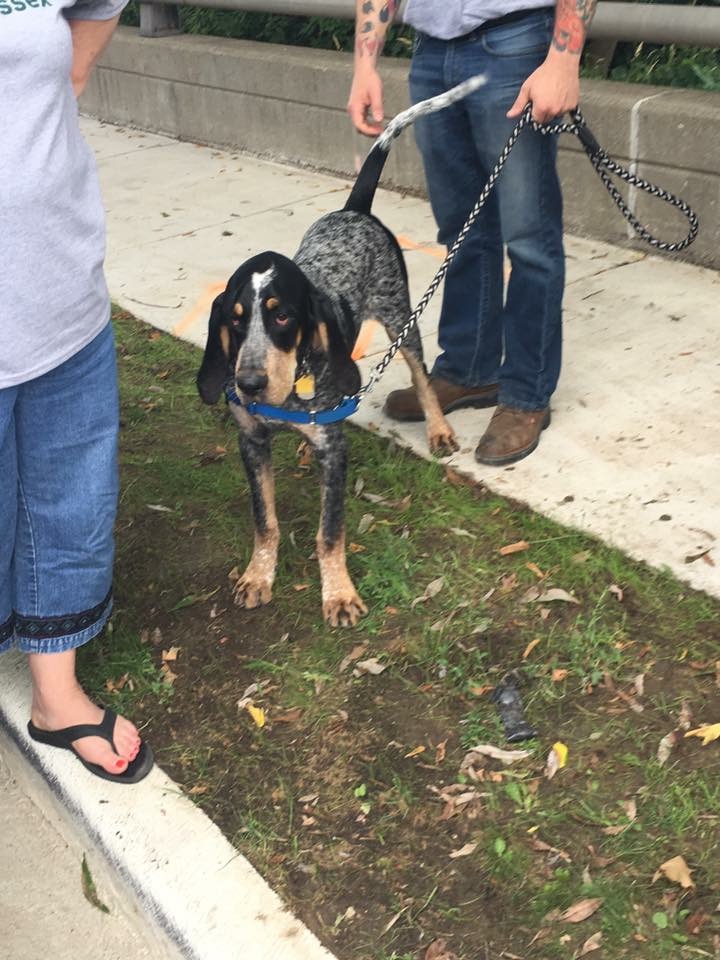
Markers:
(251, 382)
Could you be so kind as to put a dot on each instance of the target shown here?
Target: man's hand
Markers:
(365, 104)
(553, 89)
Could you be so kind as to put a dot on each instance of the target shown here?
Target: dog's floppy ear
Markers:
(215, 368)
(328, 336)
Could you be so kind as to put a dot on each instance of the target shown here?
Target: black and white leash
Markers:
(602, 164)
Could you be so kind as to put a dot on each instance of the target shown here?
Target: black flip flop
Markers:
(136, 770)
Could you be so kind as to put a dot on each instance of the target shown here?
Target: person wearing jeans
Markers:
(59, 414)
(498, 347)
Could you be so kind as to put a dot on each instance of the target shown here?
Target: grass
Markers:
(343, 799)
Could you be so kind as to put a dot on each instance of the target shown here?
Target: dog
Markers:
(282, 334)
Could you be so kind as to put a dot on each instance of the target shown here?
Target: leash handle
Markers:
(602, 162)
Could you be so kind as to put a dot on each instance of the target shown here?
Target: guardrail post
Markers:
(159, 20)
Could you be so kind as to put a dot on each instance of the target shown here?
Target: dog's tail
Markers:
(363, 192)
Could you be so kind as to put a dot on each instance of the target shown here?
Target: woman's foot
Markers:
(59, 701)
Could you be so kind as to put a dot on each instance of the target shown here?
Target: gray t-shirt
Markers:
(448, 19)
(53, 297)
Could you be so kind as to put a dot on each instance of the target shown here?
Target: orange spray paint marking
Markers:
(202, 306)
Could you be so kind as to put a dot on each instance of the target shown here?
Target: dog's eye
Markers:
(281, 319)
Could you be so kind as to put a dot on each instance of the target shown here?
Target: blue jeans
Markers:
(516, 341)
(58, 496)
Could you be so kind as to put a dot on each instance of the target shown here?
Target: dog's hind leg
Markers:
(342, 605)
(254, 588)
(441, 436)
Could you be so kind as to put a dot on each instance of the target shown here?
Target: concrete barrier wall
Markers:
(288, 104)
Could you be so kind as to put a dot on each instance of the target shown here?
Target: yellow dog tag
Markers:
(305, 386)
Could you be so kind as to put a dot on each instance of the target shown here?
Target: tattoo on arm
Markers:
(373, 19)
(572, 18)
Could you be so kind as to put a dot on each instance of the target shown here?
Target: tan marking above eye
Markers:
(271, 303)
(238, 309)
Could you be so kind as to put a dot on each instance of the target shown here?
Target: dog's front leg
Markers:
(255, 586)
(342, 605)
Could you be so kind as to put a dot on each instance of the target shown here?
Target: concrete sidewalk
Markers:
(632, 455)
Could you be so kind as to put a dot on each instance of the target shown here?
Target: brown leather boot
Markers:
(511, 435)
(404, 404)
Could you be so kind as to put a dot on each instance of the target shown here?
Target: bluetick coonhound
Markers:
(279, 318)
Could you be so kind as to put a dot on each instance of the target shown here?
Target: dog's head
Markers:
(267, 317)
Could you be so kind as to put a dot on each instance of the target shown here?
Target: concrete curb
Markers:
(203, 900)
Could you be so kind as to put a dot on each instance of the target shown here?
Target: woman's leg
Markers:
(8, 514)
(66, 425)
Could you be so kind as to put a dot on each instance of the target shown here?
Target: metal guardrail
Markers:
(652, 23)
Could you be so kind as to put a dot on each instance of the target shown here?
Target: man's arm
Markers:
(89, 39)
(554, 88)
(365, 105)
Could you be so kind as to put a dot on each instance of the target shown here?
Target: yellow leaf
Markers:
(257, 713)
(708, 733)
(561, 751)
(675, 870)
(416, 752)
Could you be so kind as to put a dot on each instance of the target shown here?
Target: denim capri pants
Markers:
(58, 498)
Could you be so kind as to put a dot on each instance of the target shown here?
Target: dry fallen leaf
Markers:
(677, 871)
(365, 523)
(464, 851)
(440, 751)
(168, 676)
(516, 547)
(666, 746)
(530, 647)
(557, 758)
(709, 732)
(685, 717)
(695, 922)
(555, 593)
(592, 943)
(497, 753)
(559, 675)
(416, 752)
(581, 910)
(357, 651)
(438, 950)
(630, 808)
(371, 666)
(288, 716)
(170, 655)
(431, 590)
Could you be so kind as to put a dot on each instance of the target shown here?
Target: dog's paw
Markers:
(442, 440)
(251, 592)
(344, 610)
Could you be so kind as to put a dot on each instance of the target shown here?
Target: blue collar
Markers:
(344, 409)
